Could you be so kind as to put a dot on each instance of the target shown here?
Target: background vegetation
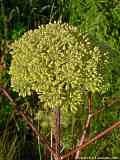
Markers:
(101, 19)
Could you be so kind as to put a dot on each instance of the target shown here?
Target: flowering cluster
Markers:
(60, 64)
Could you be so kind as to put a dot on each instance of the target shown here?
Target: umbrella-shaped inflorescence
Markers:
(60, 64)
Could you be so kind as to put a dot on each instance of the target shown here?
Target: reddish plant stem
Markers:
(97, 137)
(91, 115)
(89, 102)
(45, 153)
(42, 139)
(87, 124)
(57, 130)
(109, 103)
(82, 139)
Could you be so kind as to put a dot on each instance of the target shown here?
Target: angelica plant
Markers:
(60, 64)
